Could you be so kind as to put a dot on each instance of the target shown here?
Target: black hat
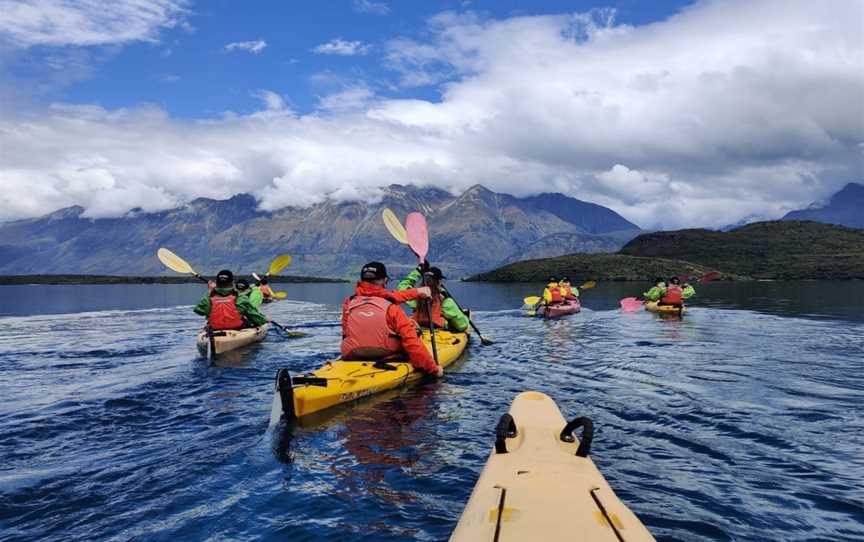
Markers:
(552, 279)
(563, 279)
(224, 278)
(373, 271)
(435, 273)
(675, 280)
(659, 279)
(242, 285)
(263, 281)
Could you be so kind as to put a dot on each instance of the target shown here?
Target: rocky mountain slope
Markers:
(845, 208)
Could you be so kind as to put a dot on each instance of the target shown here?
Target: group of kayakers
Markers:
(559, 291)
(672, 294)
(233, 305)
(373, 326)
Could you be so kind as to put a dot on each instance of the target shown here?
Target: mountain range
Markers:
(470, 232)
(845, 208)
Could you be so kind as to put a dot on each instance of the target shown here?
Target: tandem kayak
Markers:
(340, 381)
(561, 309)
(540, 484)
(655, 306)
(230, 339)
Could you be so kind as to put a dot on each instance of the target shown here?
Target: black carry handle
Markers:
(587, 434)
(505, 429)
(309, 381)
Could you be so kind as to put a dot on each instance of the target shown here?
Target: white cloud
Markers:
(352, 98)
(86, 22)
(254, 46)
(342, 48)
(272, 101)
(368, 6)
(728, 109)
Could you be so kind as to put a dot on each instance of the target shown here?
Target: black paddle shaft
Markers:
(431, 324)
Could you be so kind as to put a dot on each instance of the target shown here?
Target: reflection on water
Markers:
(744, 423)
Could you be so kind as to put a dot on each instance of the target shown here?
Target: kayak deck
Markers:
(230, 339)
(535, 487)
(561, 309)
(339, 381)
(655, 306)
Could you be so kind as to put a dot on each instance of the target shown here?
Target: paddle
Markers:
(278, 264)
(176, 263)
(531, 303)
(418, 240)
(394, 226)
(287, 331)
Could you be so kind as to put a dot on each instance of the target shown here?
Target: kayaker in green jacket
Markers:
(252, 292)
(445, 311)
(658, 291)
(226, 308)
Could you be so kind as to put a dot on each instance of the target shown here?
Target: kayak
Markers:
(655, 306)
(540, 484)
(231, 339)
(339, 381)
(571, 306)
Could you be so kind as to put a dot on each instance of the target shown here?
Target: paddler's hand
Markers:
(423, 267)
(211, 284)
(440, 372)
(424, 292)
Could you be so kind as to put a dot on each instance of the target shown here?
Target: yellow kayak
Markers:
(540, 484)
(655, 306)
(340, 381)
(230, 339)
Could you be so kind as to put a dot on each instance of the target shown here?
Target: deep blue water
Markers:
(743, 421)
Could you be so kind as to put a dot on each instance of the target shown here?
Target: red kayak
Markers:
(571, 306)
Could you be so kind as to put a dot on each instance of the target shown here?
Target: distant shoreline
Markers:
(7, 280)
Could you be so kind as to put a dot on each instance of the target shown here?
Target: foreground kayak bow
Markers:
(540, 484)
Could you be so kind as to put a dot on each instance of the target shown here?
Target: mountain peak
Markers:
(67, 212)
(843, 208)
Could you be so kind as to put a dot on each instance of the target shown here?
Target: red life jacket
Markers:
(224, 313)
(673, 296)
(422, 317)
(366, 335)
(265, 289)
(556, 294)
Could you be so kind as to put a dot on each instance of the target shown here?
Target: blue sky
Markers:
(673, 114)
(190, 73)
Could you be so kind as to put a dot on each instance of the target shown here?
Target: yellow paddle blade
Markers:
(279, 263)
(280, 295)
(394, 226)
(174, 262)
(532, 300)
(532, 313)
(588, 285)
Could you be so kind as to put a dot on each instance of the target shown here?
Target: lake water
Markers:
(743, 421)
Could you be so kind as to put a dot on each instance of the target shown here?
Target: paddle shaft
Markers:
(470, 320)
(431, 323)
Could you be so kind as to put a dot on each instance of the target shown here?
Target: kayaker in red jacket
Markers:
(374, 327)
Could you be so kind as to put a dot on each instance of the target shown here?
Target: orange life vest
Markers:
(421, 316)
(673, 296)
(366, 335)
(265, 289)
(555, 291)
(224, 313)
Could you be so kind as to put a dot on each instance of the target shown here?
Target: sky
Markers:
(673, 113)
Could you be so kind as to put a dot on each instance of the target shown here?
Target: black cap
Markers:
(263, 281)
(675, 280)
(552, 279)
(242, 285)
(659, 279)
(435, 273)
(563, 279)
(373, 271)
(224, 278)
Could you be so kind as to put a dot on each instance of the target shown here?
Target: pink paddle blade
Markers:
(630, 304)
(418, 234)
(708, 277)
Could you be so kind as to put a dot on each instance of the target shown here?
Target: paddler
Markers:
(251, 292)
(446, 314)
(552, 293)
(657, 291)
(225, 308)
(567, 290)
(675, 294)
(375, 328)
(266, 291)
